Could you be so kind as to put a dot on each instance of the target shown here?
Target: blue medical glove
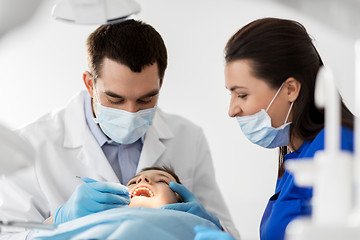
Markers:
(191, 204)
(204, 233)
(91, 197)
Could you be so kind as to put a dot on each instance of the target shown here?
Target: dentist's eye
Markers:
(116, 102)
(145, 100)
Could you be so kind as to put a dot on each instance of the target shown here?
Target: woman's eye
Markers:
(242, 95)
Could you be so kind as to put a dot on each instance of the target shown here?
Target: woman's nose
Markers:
(143, 179)
(234, 108)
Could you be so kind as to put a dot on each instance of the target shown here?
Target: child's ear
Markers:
(179, 198)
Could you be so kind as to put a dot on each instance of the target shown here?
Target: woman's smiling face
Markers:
(151, 189)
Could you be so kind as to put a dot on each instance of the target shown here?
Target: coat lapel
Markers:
(77, 135)
(153, 146)
(92, 156)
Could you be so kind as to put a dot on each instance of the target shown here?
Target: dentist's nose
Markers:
(130, 107)
(143, 179)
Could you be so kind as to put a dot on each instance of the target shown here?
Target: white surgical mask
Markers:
(258, 129)
(121, 126)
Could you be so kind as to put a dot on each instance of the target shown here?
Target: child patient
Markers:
(150, 188)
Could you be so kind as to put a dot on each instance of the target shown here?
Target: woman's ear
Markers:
(293, 87)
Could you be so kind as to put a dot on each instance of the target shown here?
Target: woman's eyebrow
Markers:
(236, 87)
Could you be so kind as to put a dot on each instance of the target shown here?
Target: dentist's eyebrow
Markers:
(112, 94)
(150, 94)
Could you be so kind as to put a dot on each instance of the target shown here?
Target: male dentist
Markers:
(109, 133)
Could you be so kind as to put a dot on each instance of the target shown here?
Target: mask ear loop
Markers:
(275, 96)
(287, 116)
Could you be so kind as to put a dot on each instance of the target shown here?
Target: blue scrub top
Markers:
(289, 200)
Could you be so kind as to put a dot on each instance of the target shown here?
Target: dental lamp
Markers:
(95, 11)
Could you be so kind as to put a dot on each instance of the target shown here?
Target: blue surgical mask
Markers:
(258, 129)
(121, 126)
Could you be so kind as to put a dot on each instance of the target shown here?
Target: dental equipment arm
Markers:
(28, 225)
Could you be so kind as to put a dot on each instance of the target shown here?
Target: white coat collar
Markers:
(153, 146)
(160, 127)
(76, 129)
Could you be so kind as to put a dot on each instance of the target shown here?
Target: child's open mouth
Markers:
(142, 191)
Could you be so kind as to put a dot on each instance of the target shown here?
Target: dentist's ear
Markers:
(88, 81)
(293, 87)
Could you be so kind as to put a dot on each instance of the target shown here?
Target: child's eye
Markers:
(163, 181)
(130, 183)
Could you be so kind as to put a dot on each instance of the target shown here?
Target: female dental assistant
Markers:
(271, 68)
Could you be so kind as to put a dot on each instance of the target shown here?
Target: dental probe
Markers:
(92, 180)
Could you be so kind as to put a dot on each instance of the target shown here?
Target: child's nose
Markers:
(143, 179)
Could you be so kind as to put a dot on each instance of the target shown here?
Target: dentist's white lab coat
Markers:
(66, 148)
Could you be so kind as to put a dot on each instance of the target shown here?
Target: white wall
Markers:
(41, 66)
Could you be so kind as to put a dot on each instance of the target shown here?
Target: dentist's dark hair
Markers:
(132, 43)
(278, 49)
